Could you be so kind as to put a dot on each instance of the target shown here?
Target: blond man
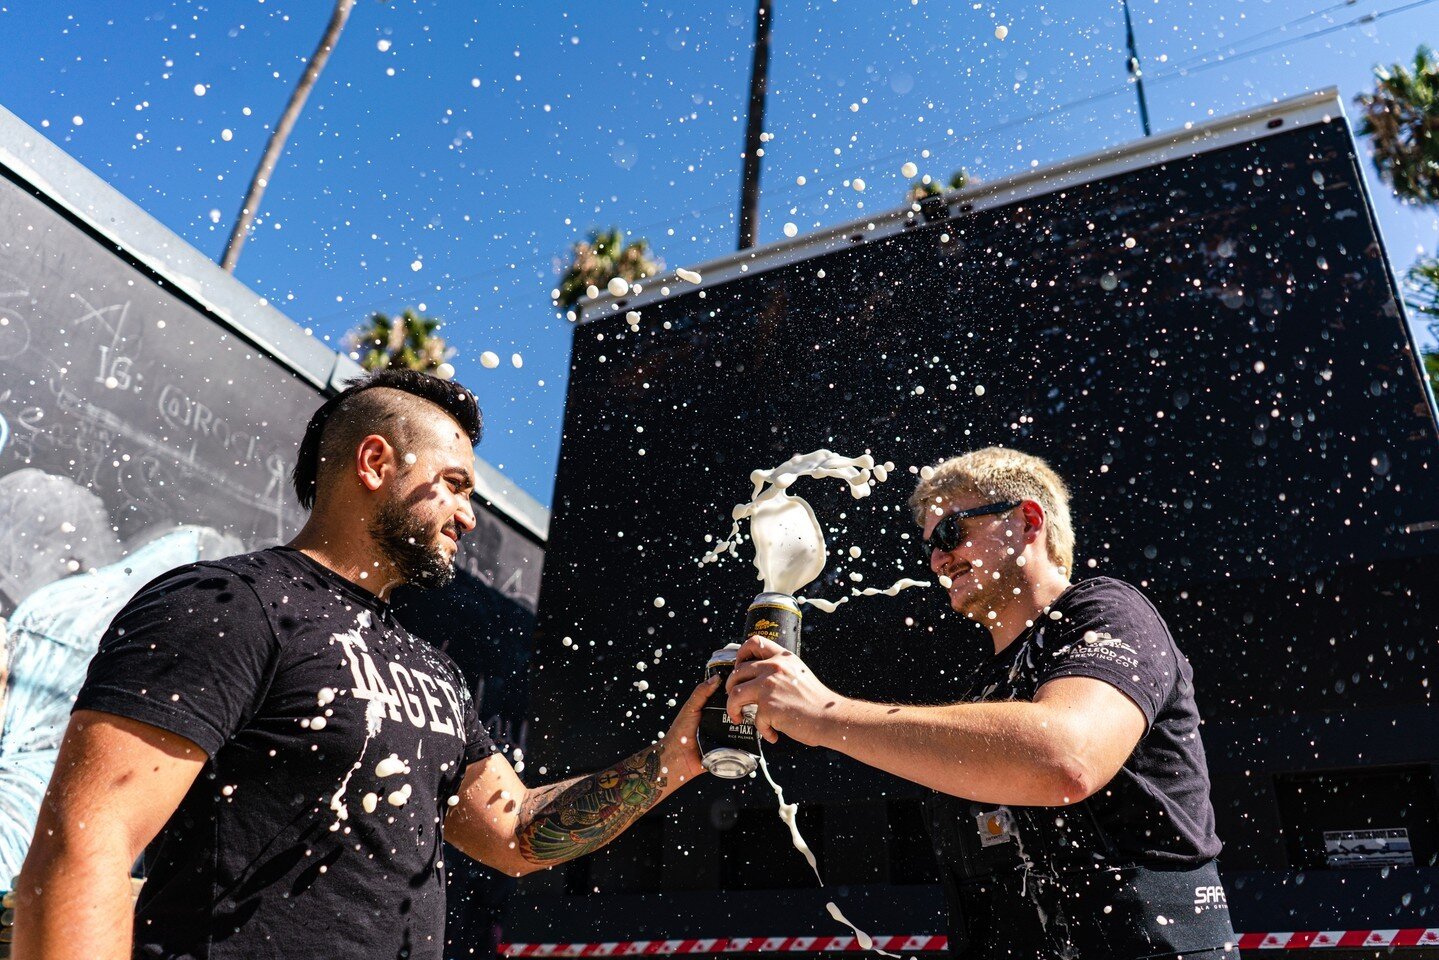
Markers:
(1070, 807)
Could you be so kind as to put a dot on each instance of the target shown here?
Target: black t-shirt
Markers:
(1114, 875)
(335, 742)
(1156, 809)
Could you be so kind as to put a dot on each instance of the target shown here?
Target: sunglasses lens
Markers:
(944, 538)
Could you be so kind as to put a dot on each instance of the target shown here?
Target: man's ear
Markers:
(1034, 519)
(374, 462)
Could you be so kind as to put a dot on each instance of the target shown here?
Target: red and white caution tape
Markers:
(660, 948)
(1325, 939)
(1291, 940)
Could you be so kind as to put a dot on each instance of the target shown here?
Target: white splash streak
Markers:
(374, 718)
(830, 606)
(789, 813)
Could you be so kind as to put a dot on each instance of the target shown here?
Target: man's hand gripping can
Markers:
(731, 750)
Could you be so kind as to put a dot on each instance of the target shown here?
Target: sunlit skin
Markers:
(435, 488)
(1002, 575)
(1056, 750)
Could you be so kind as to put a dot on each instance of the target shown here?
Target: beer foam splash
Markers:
(789, 546)
(790, 551)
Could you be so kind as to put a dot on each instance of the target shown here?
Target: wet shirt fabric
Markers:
(334, 740)
(1127, 873)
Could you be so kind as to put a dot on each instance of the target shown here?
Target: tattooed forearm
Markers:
(577, 817)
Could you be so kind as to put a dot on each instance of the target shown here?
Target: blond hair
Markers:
(998, 473)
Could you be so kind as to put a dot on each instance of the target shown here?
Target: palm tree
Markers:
(921, 189)
(599, 259)
(1401, 118)
(406, 342)
(1424, 288)
(281, 133)
(1424, 300)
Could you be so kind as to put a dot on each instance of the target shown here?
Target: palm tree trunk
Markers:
(276, 146)
(753, 145)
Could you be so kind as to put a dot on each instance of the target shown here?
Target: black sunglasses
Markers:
(949, 532)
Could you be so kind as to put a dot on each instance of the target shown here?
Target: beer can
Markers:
(728, 750)
(777, 617)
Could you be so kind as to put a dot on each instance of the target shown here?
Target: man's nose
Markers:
(466, 517)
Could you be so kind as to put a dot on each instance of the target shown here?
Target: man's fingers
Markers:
(740, 697)
(700, 694)
(758, 648)
(746, 672)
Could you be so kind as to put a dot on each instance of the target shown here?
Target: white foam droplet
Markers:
(858, 184)
(417, 265)
(659, 601)
(516, 361)
(790, 229)
(618, 286)
(398, 798)
(369, 802)
(979, 390)
(489, 359)
(909, 169)
(390, 766)
(1000, 32)
(688, 275)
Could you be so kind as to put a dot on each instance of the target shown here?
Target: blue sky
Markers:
(454, 150)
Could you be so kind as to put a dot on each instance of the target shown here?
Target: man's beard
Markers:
(406, 543)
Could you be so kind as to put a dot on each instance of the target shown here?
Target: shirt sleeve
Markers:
(1112, 633)
(191, 653)
(478, 742)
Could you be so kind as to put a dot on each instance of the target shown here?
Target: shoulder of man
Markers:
(217, 576)
(1110, 631)
(1100, 601)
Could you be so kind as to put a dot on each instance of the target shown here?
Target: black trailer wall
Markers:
(1208, 349)
(138, 432)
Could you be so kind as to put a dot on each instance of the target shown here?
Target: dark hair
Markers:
(360, 410)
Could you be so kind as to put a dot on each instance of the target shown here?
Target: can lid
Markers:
(773, 598)
(721, 657)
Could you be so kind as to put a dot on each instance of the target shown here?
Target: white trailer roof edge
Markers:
(1319, 106)
(28, 156)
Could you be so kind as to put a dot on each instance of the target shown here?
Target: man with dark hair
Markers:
(287, 755)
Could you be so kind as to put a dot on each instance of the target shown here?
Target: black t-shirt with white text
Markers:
(335, 740)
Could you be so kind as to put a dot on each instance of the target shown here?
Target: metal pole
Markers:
(1134, 70)
(754, 127)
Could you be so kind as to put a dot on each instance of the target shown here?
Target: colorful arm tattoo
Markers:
(569, 820)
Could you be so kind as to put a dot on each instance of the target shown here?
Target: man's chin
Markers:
(433, 578)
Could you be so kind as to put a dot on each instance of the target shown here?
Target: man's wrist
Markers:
(834, 722)
(677, 760)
